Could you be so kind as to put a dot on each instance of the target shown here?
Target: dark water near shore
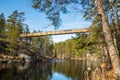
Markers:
(54, 70)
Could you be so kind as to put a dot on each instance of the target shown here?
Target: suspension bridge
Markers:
(57, 32)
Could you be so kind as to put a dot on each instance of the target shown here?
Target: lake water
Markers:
(54, 70)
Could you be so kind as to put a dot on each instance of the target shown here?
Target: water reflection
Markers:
(56, 70)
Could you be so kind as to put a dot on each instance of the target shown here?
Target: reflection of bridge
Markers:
(69, 31)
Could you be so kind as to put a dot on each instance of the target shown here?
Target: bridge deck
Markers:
(69, 31)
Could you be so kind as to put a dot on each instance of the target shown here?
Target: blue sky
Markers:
(37, 20)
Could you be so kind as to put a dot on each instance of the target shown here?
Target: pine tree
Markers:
(17, 19)
(2, 24)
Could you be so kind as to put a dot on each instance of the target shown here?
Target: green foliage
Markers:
(2, 24)
(65, 49)
(11, 36)
(81, 44)
(17, 19)
(43, 43)
(53, 9)
(11, 28)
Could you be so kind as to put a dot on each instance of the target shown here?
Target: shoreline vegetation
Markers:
(18, 58)
(24, 53)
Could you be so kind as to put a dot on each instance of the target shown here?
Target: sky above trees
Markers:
(37, 21)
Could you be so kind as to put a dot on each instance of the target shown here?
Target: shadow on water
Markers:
(55, 70)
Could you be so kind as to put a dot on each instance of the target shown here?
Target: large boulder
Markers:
(26, 57)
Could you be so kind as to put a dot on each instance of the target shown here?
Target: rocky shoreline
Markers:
(23, 53)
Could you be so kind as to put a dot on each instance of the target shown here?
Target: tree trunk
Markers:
(108, 38)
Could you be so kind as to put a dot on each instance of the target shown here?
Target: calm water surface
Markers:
(54, 70)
